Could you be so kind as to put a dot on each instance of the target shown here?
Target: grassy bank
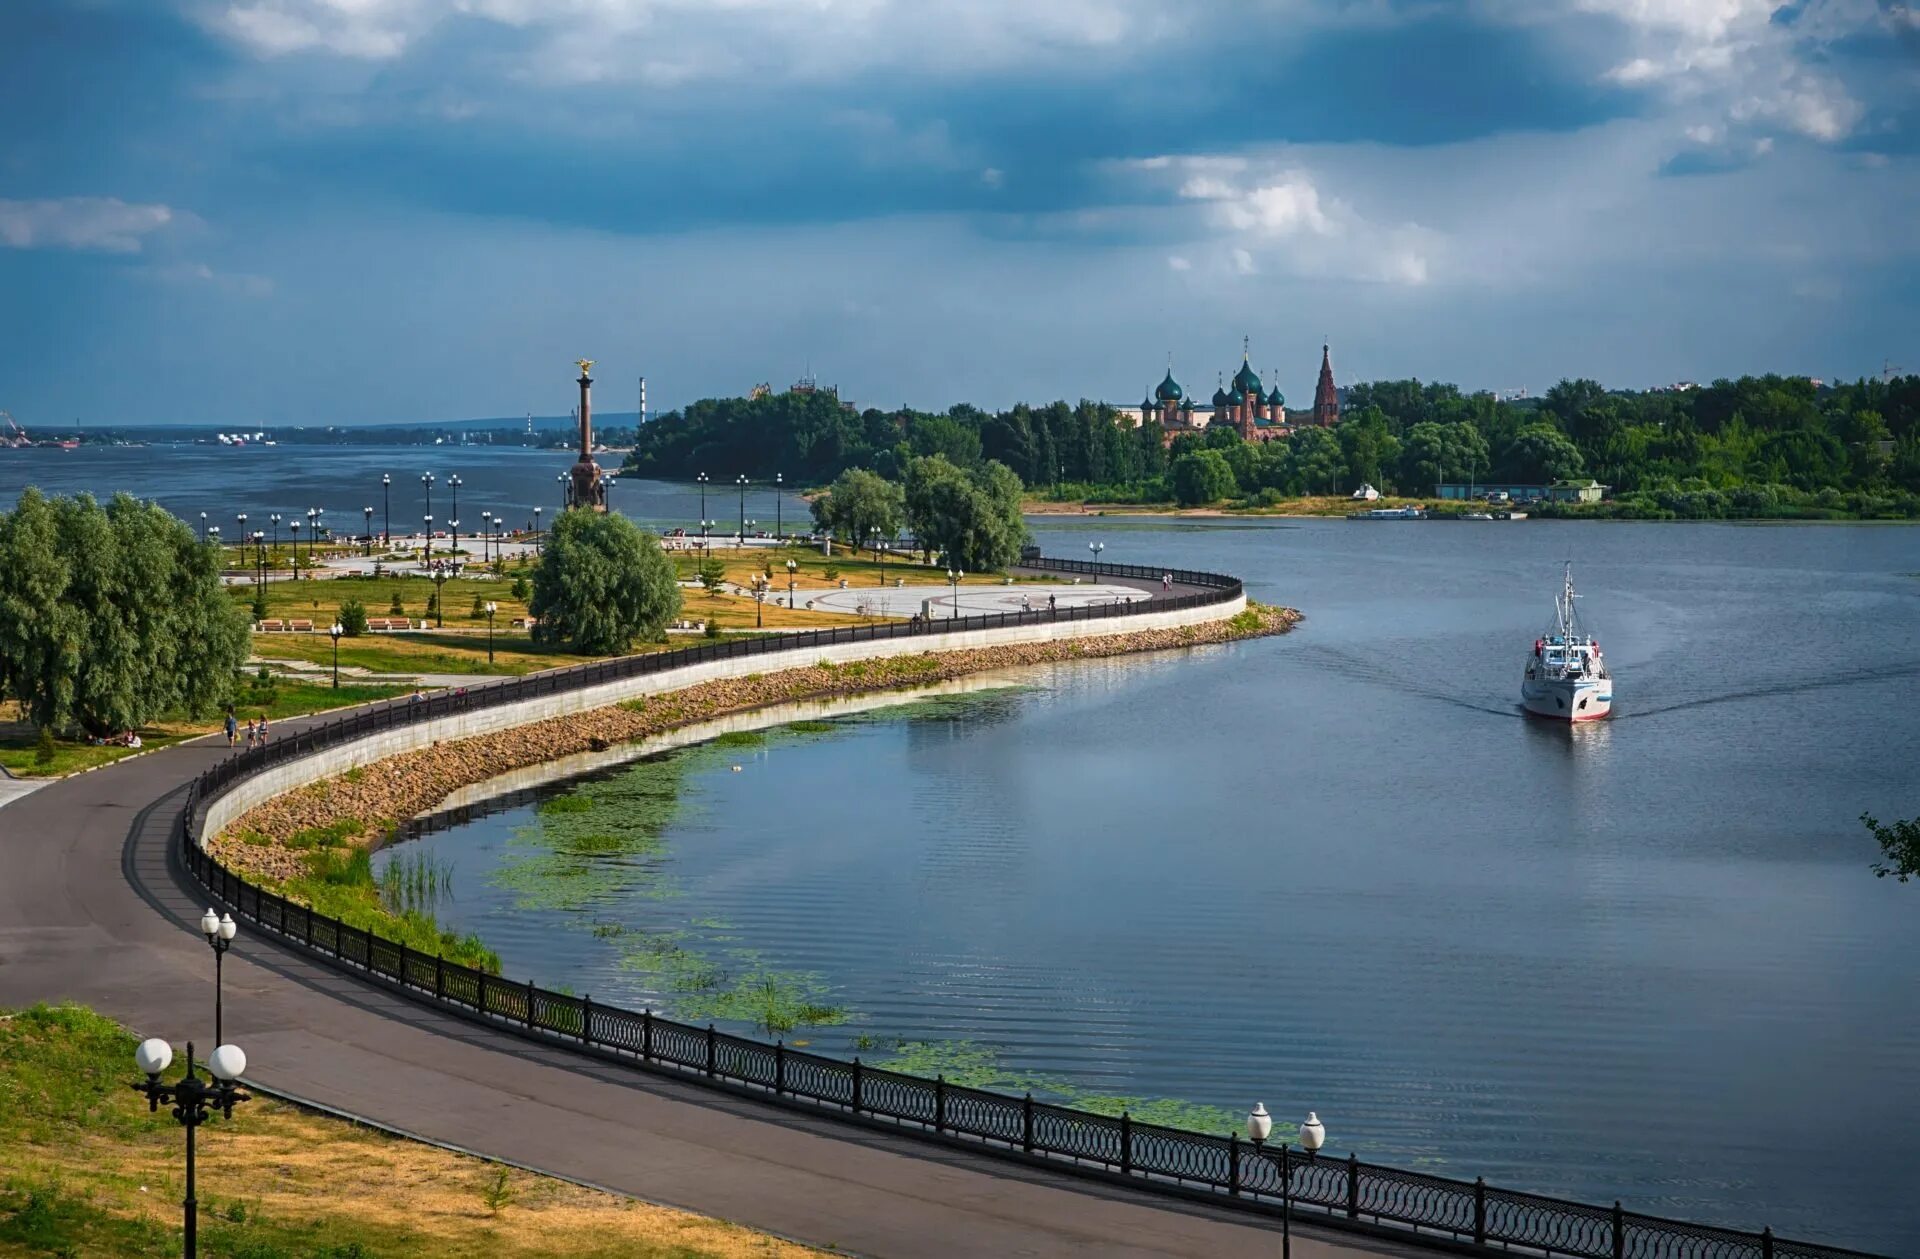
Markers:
(85, 1170)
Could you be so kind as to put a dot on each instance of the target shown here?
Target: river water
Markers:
(1643, 959)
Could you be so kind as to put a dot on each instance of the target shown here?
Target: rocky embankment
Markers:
(270, 841)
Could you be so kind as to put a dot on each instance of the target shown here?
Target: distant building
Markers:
(1481, 489)
(1257, 413)
(1577, 491)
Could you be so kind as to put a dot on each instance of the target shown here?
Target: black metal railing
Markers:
(1223, 1168)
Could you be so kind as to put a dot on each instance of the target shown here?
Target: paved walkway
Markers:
(1026, 596)
(94, 910)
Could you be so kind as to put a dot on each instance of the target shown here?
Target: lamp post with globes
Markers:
(274, 520)
(295, 526)
(427, 540)
(486, 535)
(426, 486)
(203, 526)
(793, 567)
(241, 520)
(219, 930)
(336, 629)
(492, 607)
(386, 510)
(454, 483)
(194, 1101)
(368, 513)
(954, 575)
(1095, 548)
(779, 479)
(701, 479)
(1313, 1135)
(538, 540)
(741, 480)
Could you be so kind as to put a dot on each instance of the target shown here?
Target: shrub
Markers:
(396, 608)
(353, 618)
(43, 747)
(519, 589)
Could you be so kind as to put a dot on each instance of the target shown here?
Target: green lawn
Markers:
(283, 698)
(87, 1170)
(421, 652)
(318, 600)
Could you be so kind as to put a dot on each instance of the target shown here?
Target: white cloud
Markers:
(1274, 215)
(105, 224)
(1177, 263)
(1731, 56)
(236, 283)
(623, 40)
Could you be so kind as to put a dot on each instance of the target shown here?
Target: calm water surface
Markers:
(1642, 959)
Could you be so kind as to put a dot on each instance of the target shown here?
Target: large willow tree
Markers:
(600, 584)
(111, 616)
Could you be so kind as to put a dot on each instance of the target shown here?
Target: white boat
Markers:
(1567, 678)
(1389, 513)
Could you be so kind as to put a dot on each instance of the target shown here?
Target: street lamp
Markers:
(702, 479)
(566, 491)
(759, 597)
(194, 1101)
(1096, 548)
(427, 539)
(439, 604)
(793, 566)
(274, 519)
(454, 482)
(386, 510)
(241, 520)
(704, 526)
(203, 526)
(954, 575)
(313, 532)
(336, 629)
(1313, 1135)
(219, 930)
(214, 533)
(536, 531)
(486, 534)
(779, 479)
(295, 526)
(426, 485)
(492, 607)
(453, 540)
(873, 540)
(368, 513)
(742, 481)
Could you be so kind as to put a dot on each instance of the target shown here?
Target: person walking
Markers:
(263, 730)
(1166, 581)
(250, 735)
(233, 728)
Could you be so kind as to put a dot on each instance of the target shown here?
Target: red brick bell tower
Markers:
(1326, 398)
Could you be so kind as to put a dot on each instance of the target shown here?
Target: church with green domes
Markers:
(1258, 413)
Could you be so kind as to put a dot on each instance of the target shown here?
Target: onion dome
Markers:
(1246, 380)
(1220, 395)
(1274, 399)
(1148, 407)
(1187, 406)
(1169, 389)
(1235, 397)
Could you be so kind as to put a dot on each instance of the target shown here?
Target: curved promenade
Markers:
(93, 910)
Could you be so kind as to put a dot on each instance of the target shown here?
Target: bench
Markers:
(389, 623)
(525, 622)
(272, 627)
(300, 627)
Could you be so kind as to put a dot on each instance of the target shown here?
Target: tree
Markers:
(600, 584)
(713, 571)
(1368, 446)
(1540, 454)
(110, 617)
(1314, 459)
(858, 503)
(971, 517)
(1900, 842)
(1202, 476)
(1432, 453)
(353, 618)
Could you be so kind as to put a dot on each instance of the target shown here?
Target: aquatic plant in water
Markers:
(971, 1064)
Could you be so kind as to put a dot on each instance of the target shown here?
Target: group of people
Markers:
(256, 731)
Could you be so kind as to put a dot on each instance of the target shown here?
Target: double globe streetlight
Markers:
(194, 1101)
(1313, 1135)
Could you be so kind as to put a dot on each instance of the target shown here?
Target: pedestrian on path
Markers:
(252, 735)
(233, 728)
(263, 730)
(1166, 581)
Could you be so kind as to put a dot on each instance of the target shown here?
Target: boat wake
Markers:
(1847, 677)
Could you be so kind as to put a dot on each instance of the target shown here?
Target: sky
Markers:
(347, 211)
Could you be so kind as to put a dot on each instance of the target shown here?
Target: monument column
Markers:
(589, 490)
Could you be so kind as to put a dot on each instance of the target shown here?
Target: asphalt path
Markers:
(94, 909)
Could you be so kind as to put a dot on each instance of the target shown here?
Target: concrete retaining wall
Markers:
(334, 761)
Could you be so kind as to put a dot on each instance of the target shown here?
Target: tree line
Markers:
(1759, 445)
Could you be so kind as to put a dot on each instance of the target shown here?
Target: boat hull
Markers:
(1567, 699)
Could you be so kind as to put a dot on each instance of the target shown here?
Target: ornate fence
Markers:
(1225, 1168)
